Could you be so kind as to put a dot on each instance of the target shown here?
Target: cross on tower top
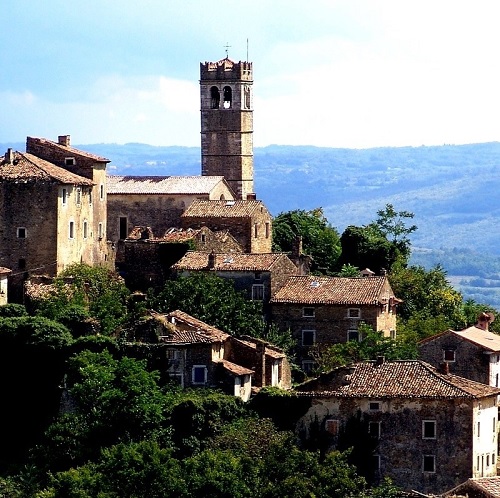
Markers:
(227, 47)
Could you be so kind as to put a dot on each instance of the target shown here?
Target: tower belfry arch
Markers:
(227, 123)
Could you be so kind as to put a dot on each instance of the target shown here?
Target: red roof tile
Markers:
(27, 167)
(223, 209)
(400, 379)
(71, 150)
(197, 260)
(212, 333)
(167, 185)
(331, 290)
(235, 369)
(483, 338)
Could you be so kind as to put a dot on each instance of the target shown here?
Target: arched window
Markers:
(247, 97)
(215, 97)
(228, 97)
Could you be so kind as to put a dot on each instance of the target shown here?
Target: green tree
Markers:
(392, 224)
(319, 239)
(213, 300)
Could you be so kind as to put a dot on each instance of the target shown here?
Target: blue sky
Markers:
(347, 73)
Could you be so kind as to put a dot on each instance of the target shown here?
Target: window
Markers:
(228, 97)
(258, 275)
(101, 192)
(448, 354)
(354, 313)
(352, 335)
(429, 463)
(203, 238)
(255, 231)
(376, 462)
(214, 98)
(332, 426)
(479, 429)
(307, 366)
(308, 337)
(246, 99)
(123, 227)
(374, 405)
(85, 229)
(64, 196)
(90, 196)
(374, 429)
(496, 380)
(69, 161)
(258, 292)
(199, 374)
(393, 334)
(173, 354)
(21, 233)
(428, 429)
(71, 234)
(99, 231)
(493, 459)
(78, 196)
(22, 264)
(309, 312)
(487, 460)
(268, 229)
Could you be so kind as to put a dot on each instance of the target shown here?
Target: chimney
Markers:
(484, 320)
(260, 363)
(444, 368)
(9, 156)
(383, 272)
(297, 247)
(211, 260)
(379, 361)
(64, 140)
(251, 196)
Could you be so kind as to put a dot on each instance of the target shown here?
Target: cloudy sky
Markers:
(346, 73)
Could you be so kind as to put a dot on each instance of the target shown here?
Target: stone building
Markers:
(426, 429)
(157, 201)
(328, 310)
(196, 354)
(249, 222)
(227, 123)
(473, 353)
(4, 291)
(147, 259)
(258, 275)
(53, 210)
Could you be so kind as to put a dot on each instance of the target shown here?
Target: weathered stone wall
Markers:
(470, 360)
(331, 323)
(401, 446)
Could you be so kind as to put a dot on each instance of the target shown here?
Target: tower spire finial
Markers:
(227, 47)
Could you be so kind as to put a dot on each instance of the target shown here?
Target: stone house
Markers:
(248, 221)
(157, 201)
(258, 275)
(147, 259)
(198, 355)
(426, 429)
(328, 310)
(4, 296)
(473, 353)
(58, 223)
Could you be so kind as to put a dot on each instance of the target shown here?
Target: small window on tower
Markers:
(228, 97)
(214, 97)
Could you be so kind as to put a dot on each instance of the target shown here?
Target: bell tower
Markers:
(227, 123)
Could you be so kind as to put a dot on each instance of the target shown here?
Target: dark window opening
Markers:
(21, 233)
(215, 97)
(22, 264)
(228, 97)
(123, 227)
(429, 463)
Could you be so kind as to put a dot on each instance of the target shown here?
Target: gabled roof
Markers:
(409, 379)
(27, 167)
(482, 338)
(485, 487)
(171, 185)
(189, 329)
(308, 289)
(197, 260)
(222, 209)
(70, 151)
(269, 349)
(235, 369)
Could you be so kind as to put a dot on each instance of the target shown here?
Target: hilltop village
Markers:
(430, 424)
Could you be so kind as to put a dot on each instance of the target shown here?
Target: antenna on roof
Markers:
(247, 51)
(227, 47)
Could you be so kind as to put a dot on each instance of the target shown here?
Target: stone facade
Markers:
(426, 430)
(4, 295)
(249, 222)
(473, 353)
(320, 311)
(156, 201)
(227, 123)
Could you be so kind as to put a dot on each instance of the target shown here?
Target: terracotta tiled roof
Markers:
(200, 327)
(71, 150)
(483, 338)
(489, 487)
(235, 369)
(4, 270)
(197, 260)
(271, 351)
(172, 185)
(223, 209)
(330, 290)
(27, 167)
(180, 234)
(403, 379)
